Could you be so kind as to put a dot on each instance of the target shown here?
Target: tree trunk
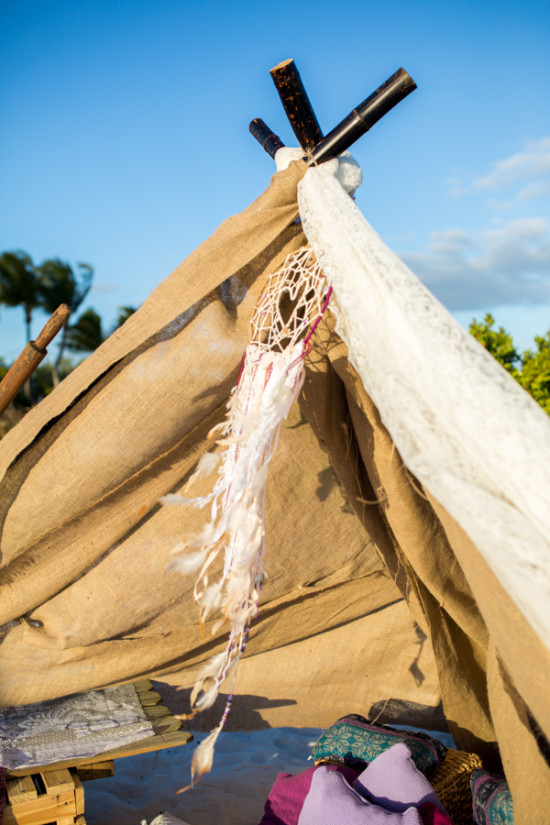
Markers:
(28, 316)
(62, 343)
(27, 388)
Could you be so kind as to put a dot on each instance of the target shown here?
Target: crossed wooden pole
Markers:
(317, 148)
(304, 123)
(22, 369)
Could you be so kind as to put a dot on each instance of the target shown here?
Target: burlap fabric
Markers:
(85, 543)
(368, 577)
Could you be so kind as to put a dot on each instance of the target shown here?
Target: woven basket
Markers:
(451, 782)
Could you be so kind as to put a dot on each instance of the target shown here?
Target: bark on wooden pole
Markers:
(265, 137)
(35, 351)
(296, 104)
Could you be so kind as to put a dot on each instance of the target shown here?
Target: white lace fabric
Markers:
(472, 436)
(80, 725)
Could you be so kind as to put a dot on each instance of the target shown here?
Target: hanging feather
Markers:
(206, 466)
(203, 756)
(188, 563)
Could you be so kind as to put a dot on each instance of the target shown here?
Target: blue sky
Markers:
(124, 139)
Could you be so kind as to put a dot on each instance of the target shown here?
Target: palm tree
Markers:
(19, 284)
(59, 284)
(123, 315)
(86, 334)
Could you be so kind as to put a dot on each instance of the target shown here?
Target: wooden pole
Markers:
(296, 104)
(303, 120)
(369, 112)
(265, 137)
(22, 369)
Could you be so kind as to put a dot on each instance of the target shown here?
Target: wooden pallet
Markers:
(54, 794)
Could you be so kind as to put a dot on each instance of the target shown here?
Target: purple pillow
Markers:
(393, 781)
(289, 791)
(331, 801)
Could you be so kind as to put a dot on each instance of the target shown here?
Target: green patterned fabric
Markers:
(353, 741)
(492, 800)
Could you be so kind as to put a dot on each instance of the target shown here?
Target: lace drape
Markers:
(472, 436)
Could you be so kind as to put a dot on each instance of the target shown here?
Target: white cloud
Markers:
(508, 261)
(523, 177)
(104, 287)
(457, 186)
(500, 205)
(507, 264)
(519, 169)
(539, 189)
(451, 240)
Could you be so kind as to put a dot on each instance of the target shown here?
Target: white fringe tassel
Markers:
(269, 384)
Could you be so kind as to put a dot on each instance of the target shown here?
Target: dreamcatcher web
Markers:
(294, 296)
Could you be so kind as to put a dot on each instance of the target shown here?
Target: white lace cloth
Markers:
(80, 725)
(472, 436)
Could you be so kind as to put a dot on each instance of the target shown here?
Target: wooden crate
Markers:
(44, 797)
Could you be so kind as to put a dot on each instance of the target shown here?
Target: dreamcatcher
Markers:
(271, 376)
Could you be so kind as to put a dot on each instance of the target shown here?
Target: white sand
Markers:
(245, 767)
